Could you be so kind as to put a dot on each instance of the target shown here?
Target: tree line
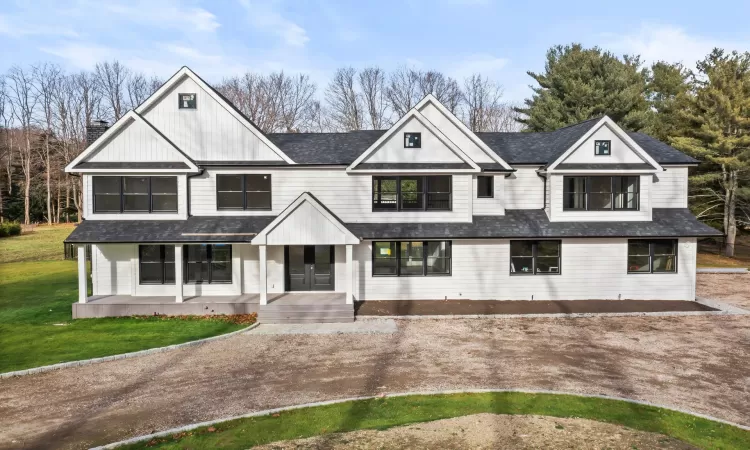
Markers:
(702, 110)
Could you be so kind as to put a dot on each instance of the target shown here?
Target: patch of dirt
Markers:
(491, 431)
(472, 307)
(727, 288)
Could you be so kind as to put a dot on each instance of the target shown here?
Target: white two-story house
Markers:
(191, 209)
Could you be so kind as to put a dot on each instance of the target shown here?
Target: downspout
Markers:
(544, 177)
(187, 180)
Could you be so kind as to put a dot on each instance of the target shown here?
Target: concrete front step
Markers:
(306, 314)
(293, 308)
(296, 320)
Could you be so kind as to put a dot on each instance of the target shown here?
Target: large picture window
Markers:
(205, 263)
(156, 264)
(652, 256)
(412, 193)
(412, 258)
(134, 194)
(534, 257)
(247, 192)
(601, 193)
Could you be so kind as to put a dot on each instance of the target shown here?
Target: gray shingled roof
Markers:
(518, 223)
(533, 223)
(411, 166)
(514, 148)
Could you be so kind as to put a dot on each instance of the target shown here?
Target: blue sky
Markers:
(501, 39)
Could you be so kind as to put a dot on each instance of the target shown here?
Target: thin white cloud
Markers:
(160, 13)
(264, 17)
(659, 42)
(80, 55)
(17, 26)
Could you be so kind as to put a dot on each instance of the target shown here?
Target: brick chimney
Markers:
(94, 130)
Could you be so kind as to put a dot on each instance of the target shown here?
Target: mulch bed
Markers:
(464, 307)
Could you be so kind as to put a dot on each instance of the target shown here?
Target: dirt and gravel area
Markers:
(484, 307)
(728, 288)
(491, 431)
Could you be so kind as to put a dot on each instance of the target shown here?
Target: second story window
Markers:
(485, 187)
(602, 148)
(134, 194)
(601, 193)
(246, 192)
(412, 140)
(412, 193)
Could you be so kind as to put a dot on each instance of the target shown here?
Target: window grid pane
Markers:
(412, 193)
(534, 257)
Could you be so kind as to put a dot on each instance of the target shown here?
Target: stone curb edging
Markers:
(404, 394)
(150, 351)
(721, 270)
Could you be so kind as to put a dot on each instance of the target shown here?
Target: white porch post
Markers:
(349, 274)
(263, 285)
(178, 273)
(82, 275)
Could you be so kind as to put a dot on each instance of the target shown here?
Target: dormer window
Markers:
(187, 101)
(602, 148)
(412, 140)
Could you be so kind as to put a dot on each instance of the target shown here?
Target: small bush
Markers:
(10, 229)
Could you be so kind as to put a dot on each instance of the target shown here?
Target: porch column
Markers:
(349, 274)
(82, 274)
(263, 285)
(178, 296)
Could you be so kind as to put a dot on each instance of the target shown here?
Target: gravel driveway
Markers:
(697, 362)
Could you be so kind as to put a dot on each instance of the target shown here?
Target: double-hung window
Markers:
(208, 264)
(411, 258)
(247, 192)
(156, 264)
(652, 256)
(412, 193)
(126, 194)
(534, 257)
(601, 193)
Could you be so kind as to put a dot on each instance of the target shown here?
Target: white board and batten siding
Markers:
(558, 214)
(452, 132)
(182, 200)
(209, 132)
(112, 268)
(620, 152)
(432, 149)
(136, 142)
(349, 197)
(590, 269)
(494, 206)
(524, 189)
(670, 188)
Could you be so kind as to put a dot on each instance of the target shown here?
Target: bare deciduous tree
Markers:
(403, 90)
(345, 104)
(46, 78)
(375, 102)
(445, 89)
(294, 99)
(24, 98)
(111, 78)
(484, 111)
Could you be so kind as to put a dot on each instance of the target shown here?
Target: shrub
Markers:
(10, 229)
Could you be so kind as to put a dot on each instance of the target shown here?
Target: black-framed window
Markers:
(412, 193)
(652, 256)
(602, 148)
(134, 194)
(156, 264)
(412, 140)
(411, 258)
(485, 186)
(601, 193)
(187, 101)
(243, 191)
(535, 257)
(207, 263)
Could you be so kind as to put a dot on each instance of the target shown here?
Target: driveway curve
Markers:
(694, 362)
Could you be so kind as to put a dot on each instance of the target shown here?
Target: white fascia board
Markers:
(411, 171)
(129, 117)
(606, 121)
(126, 171)
(597, 172)
(186, 72)
(413, 113)
(429, 98)
(261, 238)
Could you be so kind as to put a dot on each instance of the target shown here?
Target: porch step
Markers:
(306, 313)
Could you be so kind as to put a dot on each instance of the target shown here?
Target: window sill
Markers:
(527, 274)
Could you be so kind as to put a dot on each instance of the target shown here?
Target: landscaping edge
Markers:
(86, 362)
(266, 412)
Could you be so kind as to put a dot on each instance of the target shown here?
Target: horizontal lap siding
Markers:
(348, 196)
(670, 188)
(489, 206)
(591, 269)
(524, 189)
(88, 201)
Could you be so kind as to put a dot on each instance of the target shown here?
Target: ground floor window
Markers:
(652, 256)
(156, 264)
(534, 257)
(206, 263)
(411, 258)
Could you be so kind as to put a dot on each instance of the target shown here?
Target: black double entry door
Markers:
(309, 267)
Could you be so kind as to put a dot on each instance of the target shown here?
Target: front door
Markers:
(309, 267)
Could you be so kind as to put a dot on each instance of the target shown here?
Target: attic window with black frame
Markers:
(187, 101)
(602, 148)
(412, 140)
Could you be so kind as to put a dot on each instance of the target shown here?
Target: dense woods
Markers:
(703, 111)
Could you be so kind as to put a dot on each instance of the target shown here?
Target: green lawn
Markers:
(36, 328)
(396, 411)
